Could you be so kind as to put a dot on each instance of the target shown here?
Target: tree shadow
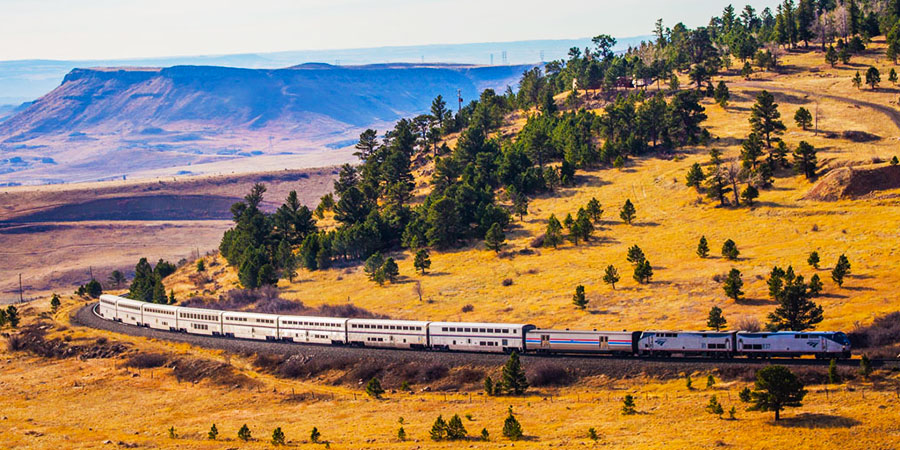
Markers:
(436, 274)
(816, 420)
(645, 224)
(860, 277)
(858, 288)
(755, 301)
(831, 295)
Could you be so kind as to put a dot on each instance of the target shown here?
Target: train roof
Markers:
(556, 330)
(481, 324)
(313, 318)
(200, 310)
(391, 321)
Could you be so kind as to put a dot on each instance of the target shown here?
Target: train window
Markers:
(443, 328)
(483, 330)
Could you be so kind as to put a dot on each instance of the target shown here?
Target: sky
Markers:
(106, 29)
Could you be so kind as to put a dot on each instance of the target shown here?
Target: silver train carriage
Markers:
(387, 333)
(577, 341)
(478, 337)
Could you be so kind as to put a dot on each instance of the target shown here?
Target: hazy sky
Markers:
(98, 29)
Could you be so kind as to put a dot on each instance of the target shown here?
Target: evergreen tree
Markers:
(795, 310)
(628, 212)
(314, 435)
(765, 120)
(485, 436)
(244, 433)
(12, 316)
(716, 319)
(815, 285)
(495, 239)
(857, 80)
(373, 265)
(747, 70)
(833, 376)
(94, 289)
(733, 285)
(553, 236)
(730, 250)
(750, 193)
(831, 56)
(277, 437)
(805, 161)
(172, 434)
(695, 177)
(594, 210)
(776, 388)
(703, 247)
(390, 271)
(611, 276)
(844, 56)
(643, 272)
(714, 407)
(579, 300)
(865, 366)
(438, 429)
(813, 259)
(511, 427)
(54, 303)
(688, 382)
(374, 389)
(841, 269)
(455, 429)
(592, 434)
(892, 76)
(803, 118)
(873, 77)
(117, 278)
(401, 435)
(422, 260)
(213, 433)
(721, 94)
(751, 151)
(513, 376)
(584, 228)
(710, 381)
(635, 255)
(895, 161)
(744, 395)
(628, 405)
(488, 386)
(201, 266)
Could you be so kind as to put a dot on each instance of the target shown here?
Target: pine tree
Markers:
(744, 395)
(831, 56)
(714, 407)
(710, 381)
(833, 376)
(455, 429)
(733, 285)
(401, 435)
(721, 94)
(731, 413)
(438, 429)
(805, 160)
(695, 177)
(628, 405)
(750, 193)
(627, 213)
(579, 299)
(813, 259)
(513, 377)
(619, 162)
(511, 427)
(592, 434)
(244, 433)
(172, 434)
(422, 260)
(815, 285)
(54, 303)
(594, 210)
(841, 269)
(751, 151)
(635, 255)
(485, 436)
(716, 319)
(730, 250)
(747, 70)
(643, 272)
(495, 239)
(488, 386)
(611, 276)
(795, 310)
(584, 228)
(857, 80)
(765, 118)
(213, 433)
(390, 270)
(892, 76)
(895, 161)
(803, 118)
(873, 77)
(703, 247)
(373, 264)
(314, 435)
(277, 437)
(776, 388)
(553, 236)
(865, 366)
(374, 389)
(201, 266)
(688, 382)
(12, 316)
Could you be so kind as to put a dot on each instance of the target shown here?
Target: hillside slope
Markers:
(108, 123)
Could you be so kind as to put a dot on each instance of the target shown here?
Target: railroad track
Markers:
(87, 316)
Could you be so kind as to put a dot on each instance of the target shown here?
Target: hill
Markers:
(108, 123)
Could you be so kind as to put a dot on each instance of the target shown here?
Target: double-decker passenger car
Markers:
(129, 311)
(107, 306)
(387, 333)
(245, 325)
(822, 344)
(160, 317)
(577, 341)
(697, 343)
(199, 321)
(481, 337)
(313, 330)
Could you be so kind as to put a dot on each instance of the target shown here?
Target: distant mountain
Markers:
(117, 122)
(26, 80)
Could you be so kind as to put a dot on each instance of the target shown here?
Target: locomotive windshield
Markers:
(840, 338)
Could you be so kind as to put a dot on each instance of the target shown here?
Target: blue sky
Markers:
(101, 29)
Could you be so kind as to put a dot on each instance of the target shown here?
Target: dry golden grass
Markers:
(81, 404)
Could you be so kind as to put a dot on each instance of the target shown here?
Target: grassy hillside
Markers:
(781, 229)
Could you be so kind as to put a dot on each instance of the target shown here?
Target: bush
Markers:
(507, 282)
(549, 374)
(146, 360)
(468, 308)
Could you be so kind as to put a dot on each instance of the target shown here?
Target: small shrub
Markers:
(374, 389)
(277, 437)
(172, 434)
(628, 405)
(401, 434)
(314, 435)
(244, 433)
(592, 434)
(507, 282)
(146, 360)
(468, 308)
(213, 433)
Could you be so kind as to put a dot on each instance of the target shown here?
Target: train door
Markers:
(823, 344)
(604, 342)
(545, 341)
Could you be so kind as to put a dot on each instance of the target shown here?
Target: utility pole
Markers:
(817, 118)
(459, 100)
(91, 271)
(21, 293)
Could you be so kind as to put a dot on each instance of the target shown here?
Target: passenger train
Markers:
(471, 336)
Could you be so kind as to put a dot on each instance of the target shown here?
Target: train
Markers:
(481, 337)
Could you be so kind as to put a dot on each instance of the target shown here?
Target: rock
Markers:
(107, 441)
